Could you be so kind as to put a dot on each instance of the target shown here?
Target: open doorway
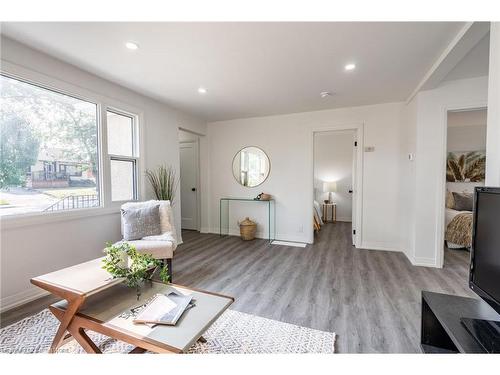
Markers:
(465, 169)
(334, 175)
(189, 180)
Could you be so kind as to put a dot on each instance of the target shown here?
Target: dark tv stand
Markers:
(486, 333)
(442, 330)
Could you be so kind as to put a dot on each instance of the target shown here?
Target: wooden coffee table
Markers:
(95, 301)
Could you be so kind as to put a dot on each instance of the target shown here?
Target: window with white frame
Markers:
(122, 151)
(49, 151)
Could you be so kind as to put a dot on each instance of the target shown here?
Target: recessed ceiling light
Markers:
(202, 90)
(325, 94)
(132, 45)
(350, 67)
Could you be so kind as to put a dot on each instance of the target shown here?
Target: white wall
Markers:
(407, 175)
(493, 141)
(466, 132)
(185, 136)
(466, 138)
(425, 125)
(333, 157)
(288, 141)
(33, 249)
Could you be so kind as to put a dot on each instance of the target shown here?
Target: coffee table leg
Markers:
(67, 338)
(85, 342)
(71, 310)
(137, 350)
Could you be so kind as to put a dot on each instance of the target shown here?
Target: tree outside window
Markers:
(48, 150)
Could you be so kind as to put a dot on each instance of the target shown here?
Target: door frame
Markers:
(358, 129)
(441, 192)
(198, 193)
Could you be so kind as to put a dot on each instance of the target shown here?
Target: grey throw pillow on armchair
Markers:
(141, 222)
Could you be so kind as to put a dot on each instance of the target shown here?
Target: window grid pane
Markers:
(120, 134)
(123, 180)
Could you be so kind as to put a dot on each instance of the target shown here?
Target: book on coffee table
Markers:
(164, 309)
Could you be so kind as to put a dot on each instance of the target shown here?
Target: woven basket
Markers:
(248, 228)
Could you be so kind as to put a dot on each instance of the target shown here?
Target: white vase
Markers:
(124, 260)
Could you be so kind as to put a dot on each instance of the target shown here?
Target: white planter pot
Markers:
(124, 260)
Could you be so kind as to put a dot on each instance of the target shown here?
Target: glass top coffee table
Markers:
(107, 306)
(110, 313)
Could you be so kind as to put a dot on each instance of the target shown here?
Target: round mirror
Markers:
(251, 166)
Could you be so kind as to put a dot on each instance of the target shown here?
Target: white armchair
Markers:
(160, 246)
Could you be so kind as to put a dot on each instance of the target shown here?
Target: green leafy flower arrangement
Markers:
(123, 260)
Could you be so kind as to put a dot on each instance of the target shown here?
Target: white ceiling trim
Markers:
(466, 39)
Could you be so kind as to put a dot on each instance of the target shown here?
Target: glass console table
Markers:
(224, 215)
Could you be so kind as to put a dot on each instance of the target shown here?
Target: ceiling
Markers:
(474, 64)
(250, 69)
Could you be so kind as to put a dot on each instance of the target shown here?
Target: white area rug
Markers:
(288, 243)
(234, 332)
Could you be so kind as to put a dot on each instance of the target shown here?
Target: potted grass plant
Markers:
(163, 180)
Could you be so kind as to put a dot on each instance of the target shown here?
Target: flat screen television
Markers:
(484, 276)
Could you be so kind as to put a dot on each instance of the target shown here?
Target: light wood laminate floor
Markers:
(371, 299)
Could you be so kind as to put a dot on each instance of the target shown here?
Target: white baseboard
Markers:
(18, 299)
(423, 262)
(346, 219)
(236, 232)
(264, 235)
(415, 261)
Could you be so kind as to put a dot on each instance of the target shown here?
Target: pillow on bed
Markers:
(463, 201)
(450, 202)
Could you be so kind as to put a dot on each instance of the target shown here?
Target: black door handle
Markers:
(193, 189)
(350, 191)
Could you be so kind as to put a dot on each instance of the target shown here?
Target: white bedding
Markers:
(317, 212)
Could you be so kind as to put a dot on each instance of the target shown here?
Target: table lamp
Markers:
(330, 187)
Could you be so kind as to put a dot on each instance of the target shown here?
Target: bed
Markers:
(458, 234)
(458, 214)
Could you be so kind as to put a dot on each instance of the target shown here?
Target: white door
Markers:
(352, 188)
(189, 185)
